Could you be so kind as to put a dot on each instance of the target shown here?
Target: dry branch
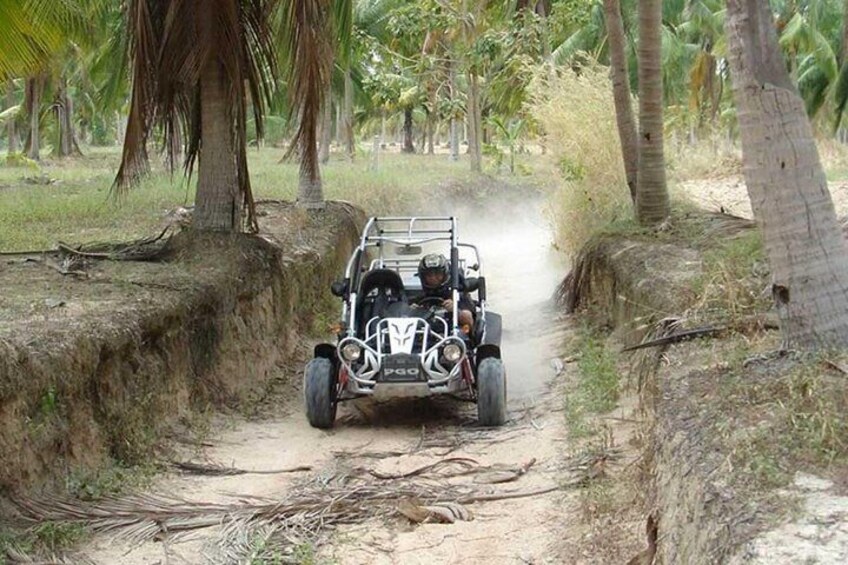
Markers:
(303, 515)
(214, 470)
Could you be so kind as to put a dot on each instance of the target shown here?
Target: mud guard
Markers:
(492, 329)
(325, 351)
(487, 351)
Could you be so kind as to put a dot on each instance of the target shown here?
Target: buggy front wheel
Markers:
(491, 392)
(319, 393)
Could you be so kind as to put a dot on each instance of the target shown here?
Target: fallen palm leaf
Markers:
(465, 464)
(211, 469)
(304, 515)
(142, 518)
(505, 476)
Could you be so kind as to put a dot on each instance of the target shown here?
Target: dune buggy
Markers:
(394, 341)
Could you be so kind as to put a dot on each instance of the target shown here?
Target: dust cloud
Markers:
(522, 271)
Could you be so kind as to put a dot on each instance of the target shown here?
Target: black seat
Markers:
(378, 289)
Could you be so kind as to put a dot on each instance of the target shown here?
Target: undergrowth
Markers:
(596, 390)
(733, 282)
(46, 539)
(577, 112)
(71, 200)
(782, 416)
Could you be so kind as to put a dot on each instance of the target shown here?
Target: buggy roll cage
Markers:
(402, 230)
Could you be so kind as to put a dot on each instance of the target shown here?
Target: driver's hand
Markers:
(447, 304)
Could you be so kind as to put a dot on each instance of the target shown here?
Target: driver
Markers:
(434, 273)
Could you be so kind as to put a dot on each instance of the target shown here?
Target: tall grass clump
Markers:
(577, 113)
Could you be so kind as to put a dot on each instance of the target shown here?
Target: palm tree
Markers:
(652, 201)
(191, 74)
(787, 185)
(9, 115)
(621, 93)
(310, 30)
(31, 33)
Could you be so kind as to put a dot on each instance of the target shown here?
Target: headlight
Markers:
(452, 352)
(351, 352)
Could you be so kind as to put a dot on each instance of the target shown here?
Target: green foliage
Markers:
(111, 480)
(48, 402)
(597, 387)
(45, 539)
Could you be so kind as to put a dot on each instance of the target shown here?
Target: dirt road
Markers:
(375, 445)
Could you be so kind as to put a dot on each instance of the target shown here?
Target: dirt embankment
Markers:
(96, 364)
(735, 433)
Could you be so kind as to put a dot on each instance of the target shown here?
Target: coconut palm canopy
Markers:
(32, 31)
(401, 65)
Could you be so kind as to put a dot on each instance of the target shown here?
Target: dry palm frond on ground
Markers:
(263, 525)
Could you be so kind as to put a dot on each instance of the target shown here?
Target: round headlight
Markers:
(351, 352)
(452, 352)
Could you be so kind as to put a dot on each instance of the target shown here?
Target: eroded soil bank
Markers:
(99, 359)
(744, 446)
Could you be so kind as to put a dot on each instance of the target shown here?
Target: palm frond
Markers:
(840, 95)
(342, 18)
(168, 49)
(352, 497)
(307, 52)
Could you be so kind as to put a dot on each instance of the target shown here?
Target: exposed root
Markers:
(145, 249)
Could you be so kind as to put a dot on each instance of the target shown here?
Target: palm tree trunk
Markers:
(34, 91)
(541, 11)
(10, 126)
(383, 128)
(347, 126)
(423, 142)
(652, 201)
(475, 133)
(121, 128)
(64, 109)
(621, 94)
(337, 124)
(408, 142)
(844, 31)
(72, 131)
(326, 126)
(787, 185)
(218, 203)
(454, 126)
(431, 133)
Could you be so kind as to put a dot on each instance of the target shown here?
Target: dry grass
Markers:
(578, 115)
(711, 158)
(800, 399)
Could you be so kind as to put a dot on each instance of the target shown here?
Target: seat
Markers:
(378, 290)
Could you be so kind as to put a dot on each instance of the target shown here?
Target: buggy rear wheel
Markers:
(491, 392)
(319, 393)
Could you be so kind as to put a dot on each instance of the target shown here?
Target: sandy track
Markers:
(373, 437)
(396, 437)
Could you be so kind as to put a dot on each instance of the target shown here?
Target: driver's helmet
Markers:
(433, 271)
